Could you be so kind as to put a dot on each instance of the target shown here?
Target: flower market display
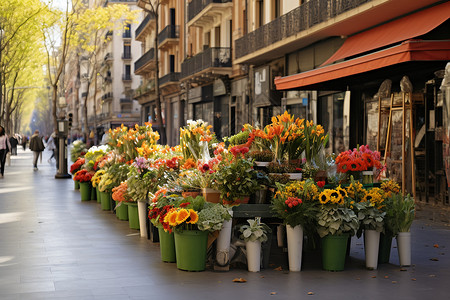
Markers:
(189, 193)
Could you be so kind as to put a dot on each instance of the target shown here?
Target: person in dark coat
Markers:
(4, 148)
(37, 146)
(14, 142)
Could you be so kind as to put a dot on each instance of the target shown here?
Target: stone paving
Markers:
(53, 246)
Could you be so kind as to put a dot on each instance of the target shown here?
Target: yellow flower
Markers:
(324, 197)
(193, 216)
(182, 215)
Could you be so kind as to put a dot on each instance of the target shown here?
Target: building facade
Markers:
(231, 62)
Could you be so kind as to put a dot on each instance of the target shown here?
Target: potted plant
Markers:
(254, 233)
(355, 162)
(191, 219)
(295, 203)
(77, 150)
(336, 221)
(84, 177)
(400, 213)
(235, 177)
(75, 167)
(261, 158)
(371, 220)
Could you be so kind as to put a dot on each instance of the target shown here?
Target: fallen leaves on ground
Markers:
(434, 259)
(239, 280)
(436, 246)
(273, 293)
(279, 269)
(310, 293)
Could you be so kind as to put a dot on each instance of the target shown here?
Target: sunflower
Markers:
(336, 197)
(171, 218)
(182, 215)
(193, 217)
(324, 197)
(342, 191)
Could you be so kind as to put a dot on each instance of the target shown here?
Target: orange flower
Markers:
(193, 217)
(182, 215)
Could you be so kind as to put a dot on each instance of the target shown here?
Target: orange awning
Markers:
(412, 50)
(396, 31)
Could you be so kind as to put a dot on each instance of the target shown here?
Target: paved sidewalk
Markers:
(53, 246)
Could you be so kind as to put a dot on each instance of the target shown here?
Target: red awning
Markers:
(396, 31)
(412, 50)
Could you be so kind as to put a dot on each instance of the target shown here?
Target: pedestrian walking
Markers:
(37, 146)
(14, 142)
(4, 148)
(24, 142)
(51, 146)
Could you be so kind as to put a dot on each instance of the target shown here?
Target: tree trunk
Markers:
(162, 129)
(54, 101)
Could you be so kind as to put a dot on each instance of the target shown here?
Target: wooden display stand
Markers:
(404, 107)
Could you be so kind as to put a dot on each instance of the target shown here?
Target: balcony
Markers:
(170, 83)
(107, 96)
(126, 55)
(205, 11)
(144, 91)
(126, 77)
(125, 101)
(145, 63)
(108, 57)
(145, 27)
(213, 62)
(169, 36)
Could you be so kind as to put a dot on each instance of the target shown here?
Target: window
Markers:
(127, 31)
(127, 51)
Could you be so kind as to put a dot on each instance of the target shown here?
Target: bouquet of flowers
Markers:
(335, 216)
(295, 203)
(97, 177)
(77, 165)
(191, 137)
(360, 159)
(78, 149)
(83, 176)
(119, 193)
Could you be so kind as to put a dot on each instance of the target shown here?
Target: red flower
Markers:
(321, 184)
(184, 204)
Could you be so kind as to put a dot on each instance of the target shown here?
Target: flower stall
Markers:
(197, 192)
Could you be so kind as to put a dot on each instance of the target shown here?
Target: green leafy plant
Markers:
(212, 216)
(336, 220)
(254, 231)
(239, 138)
(400, 212)
(235, 178)
(369, 216)
(78, 149)
(261, 155)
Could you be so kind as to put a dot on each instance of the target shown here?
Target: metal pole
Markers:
(62, 151)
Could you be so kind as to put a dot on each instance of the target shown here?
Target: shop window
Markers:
(331, 117)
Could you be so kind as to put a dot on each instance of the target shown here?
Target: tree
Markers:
(19, 52)
(91, 29)
(58, 32)
(152, 7)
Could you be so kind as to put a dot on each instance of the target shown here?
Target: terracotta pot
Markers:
(211, 195)
(190, 193)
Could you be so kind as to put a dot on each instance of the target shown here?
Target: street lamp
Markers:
(63, 131)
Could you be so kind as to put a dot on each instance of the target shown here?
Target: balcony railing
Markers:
(126, 34)
(126, 55)
(196, 6)
(144, 59)
(302, 18)
(107, 96)
(143, 24)
(126, 77)
(169, 32)
(125, 100)
(171, 77)
(210, 58)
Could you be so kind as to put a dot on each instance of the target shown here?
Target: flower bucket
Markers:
(211, 195)
(190, 249)
(295, 176)
(384, 251)
(334, 248)
(111, 202)
(143, 216)
(106, 204)
(295, 246)
(76, 185)
(367, 177)
(167, 246)
(223, 243)
(133, 215)
(121, 211)
(404, 248)
(253, 255)
(93, 193)
(99, 200)
(260, 196)
(371, 246)
(85, 191)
